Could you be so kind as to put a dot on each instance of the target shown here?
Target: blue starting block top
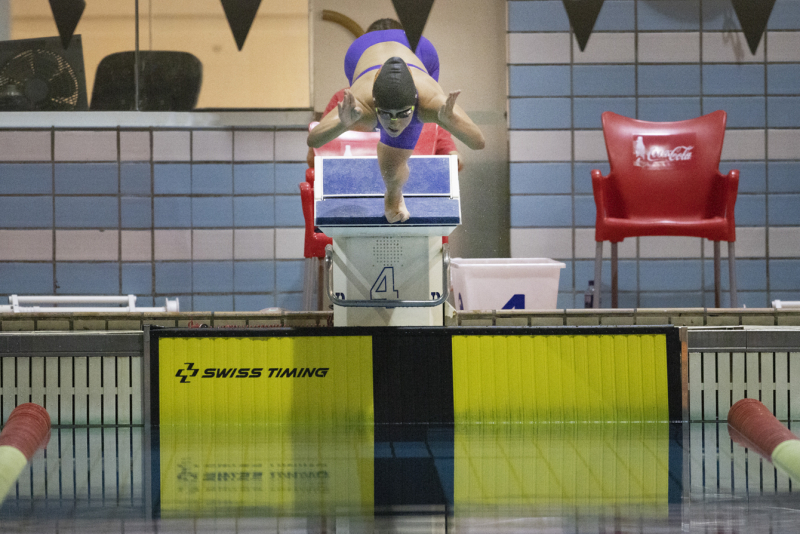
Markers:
(349, 194)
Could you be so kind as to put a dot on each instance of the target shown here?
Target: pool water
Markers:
(543, 478)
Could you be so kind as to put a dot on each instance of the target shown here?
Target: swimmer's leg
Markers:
(393, 163)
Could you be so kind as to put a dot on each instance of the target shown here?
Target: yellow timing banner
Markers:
(556, 465)
(265, 380)
(555, 378)
(253, 470)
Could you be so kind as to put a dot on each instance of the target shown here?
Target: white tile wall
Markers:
(254, 244)
(783, 46)
(730, 47)
(171, 146)
(85, 146)
(585, 245)
(743, 145)
(134, 146)
(784, 144)
(669, 247)
(291, 146)
(590, 145)
(750, 243)
(540, 145)
(79, 245)
(553, 243)
(25, 146)
(784, 242)
(534, 48)
(253, 146)
(172, 244)
(607, 48)
(289, 243)
(136, 245)
(26, 245)
(212, 244)
(212, 145)
(669, 47)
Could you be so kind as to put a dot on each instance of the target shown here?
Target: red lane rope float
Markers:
(752, 425)
(27, 429)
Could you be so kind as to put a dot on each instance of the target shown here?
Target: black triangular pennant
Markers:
(413, 15)
(240, 15)
(753, 16)
(582, 15)
(67, 14)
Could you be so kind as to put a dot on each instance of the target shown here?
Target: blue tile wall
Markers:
(137, 279)
(733, 79)
(540, 113)
(670, 15)
(86, 178)
(212, 212)
(87, 212)
(587, 111)
(173, 277)
(255, 211)
(666, 109)
(135, 212)
(26, 212)
(212, 276)
(172, 212)
(79, 278)
(150, 202)
(785, 15)
(544, 80)
(253, 276)
(26, 178)
(542, 178)
(784, 176)
(172, 179)
(254, 179)
(212, 179)
(669, 80)
(743, 111)
(541, 16)
(26, 279)
(784, 210)
(783, 78)
(761, 96)
(784, 111)
(134, 178)
(612, 80)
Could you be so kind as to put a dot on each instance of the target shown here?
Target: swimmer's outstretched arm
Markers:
(444, 111)
(347, 116)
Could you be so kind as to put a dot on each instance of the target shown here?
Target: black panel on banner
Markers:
(412, 377)
(413, 15)
(753, 16)
(582, 15)
(67, 14)
(240, 15)
(407, 482)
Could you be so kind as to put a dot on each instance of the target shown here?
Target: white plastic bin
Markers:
(505, 283)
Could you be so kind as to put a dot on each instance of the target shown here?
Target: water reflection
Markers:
(553, 477)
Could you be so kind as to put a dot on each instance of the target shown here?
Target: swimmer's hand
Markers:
(446, 111)
(349, 112)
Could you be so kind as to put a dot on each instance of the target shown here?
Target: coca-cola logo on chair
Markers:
(663, 151)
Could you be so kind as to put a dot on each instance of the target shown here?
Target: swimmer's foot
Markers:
(395, 211)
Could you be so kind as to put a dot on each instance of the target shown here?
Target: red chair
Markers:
(665, 180)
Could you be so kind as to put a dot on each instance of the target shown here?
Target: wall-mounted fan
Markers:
(39, 75)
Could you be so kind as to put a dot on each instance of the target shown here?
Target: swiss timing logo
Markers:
(189, 369)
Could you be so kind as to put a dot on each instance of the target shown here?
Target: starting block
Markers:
(381, 274)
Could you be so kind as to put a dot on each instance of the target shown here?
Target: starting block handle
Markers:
(387, 303)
